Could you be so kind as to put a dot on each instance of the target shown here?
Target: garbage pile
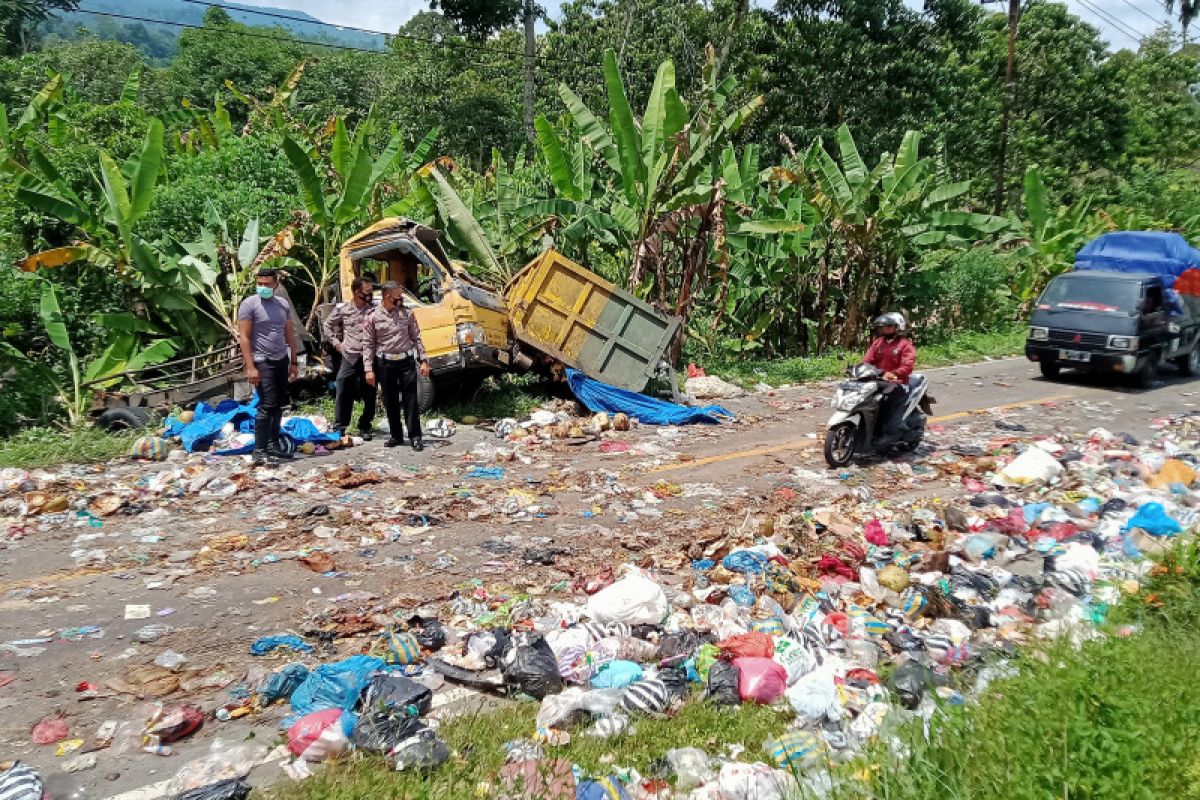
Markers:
(802, 609)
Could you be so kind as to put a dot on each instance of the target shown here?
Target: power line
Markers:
(1113, 22)
(397, 35)
(1155, 20)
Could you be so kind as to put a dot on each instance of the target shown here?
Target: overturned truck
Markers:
(554, 313)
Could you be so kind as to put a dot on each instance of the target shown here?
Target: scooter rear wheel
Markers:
(839, 445)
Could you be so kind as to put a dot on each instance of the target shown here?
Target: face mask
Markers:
(265, 292)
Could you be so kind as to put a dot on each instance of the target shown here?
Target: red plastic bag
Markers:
(875, 534)
(695, 372)
(319, 735)
(760, 680)
(754, 644)
(50, 730)
(1012, 525)
(174, 721)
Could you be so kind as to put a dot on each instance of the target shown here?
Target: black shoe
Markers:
(366, 435)
(264, 459)
(280, 455)
(418, 445)
(393, 442)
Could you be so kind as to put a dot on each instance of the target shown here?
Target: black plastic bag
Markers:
(723, 684)
(428, 632)
(675, 648)
(232, 789)
(676, 681)
(379, 732)
(530, 668)
(909, 681)
(397, 694)
(422, 750)
(500, 643)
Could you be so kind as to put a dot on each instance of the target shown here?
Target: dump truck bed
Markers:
(573, 315)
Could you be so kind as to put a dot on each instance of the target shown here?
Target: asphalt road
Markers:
(222, 571)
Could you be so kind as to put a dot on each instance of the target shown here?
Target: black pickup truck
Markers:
(1117, 322)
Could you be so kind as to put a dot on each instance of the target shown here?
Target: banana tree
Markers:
(1047, 238)
(124, 353)
(871, 222)
(344, 186)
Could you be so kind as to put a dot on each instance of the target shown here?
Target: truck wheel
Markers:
(425, 393)
(124, 419)
(1144, 377)
(1050, 370)
(1190, 364)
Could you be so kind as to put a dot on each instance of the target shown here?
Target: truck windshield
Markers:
(1097, 295)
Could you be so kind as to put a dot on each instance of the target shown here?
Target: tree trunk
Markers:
(739, 18)
(530, 67)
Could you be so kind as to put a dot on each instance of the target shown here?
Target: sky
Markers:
(1120, 21)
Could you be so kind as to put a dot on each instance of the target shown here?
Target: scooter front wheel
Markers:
(839, 445)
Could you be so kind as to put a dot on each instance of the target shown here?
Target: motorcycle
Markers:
(856, 421)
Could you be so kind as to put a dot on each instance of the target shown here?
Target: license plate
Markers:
(1074, 355)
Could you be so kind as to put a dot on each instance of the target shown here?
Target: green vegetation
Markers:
(775, 176)
(36, 448)
(1115, 717)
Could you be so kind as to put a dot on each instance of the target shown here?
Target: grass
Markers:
(478, 752)
(1118, 717)
(963, 348)
(51, 447)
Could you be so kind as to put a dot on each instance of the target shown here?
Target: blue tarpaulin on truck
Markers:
(1153, 252)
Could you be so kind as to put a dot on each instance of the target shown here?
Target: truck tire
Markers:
(1190, 364)
(1050, 370)
(425, 393)
(1144, 377)
(124, 419)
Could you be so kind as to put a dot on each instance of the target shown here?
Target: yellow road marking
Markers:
(805, 444)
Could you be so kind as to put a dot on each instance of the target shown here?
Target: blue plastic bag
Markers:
(1154, 520)
(742, 595)
(268, 643)
(748, 562)
(617, 675)
(282, 684)
(337, 685)
(601, 789)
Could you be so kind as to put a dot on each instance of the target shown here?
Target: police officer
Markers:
(394, 351)
(344, 331)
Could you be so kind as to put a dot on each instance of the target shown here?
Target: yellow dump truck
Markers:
(553, 312)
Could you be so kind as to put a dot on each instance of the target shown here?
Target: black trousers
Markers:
(272, 398)
(398, 379)
(891, 410)
(351, 386)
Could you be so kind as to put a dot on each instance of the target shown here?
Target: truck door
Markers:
(1153, 322)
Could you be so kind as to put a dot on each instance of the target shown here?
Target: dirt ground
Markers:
(210, 550)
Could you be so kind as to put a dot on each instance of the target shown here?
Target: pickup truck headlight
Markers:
(469, 333)
(1123, 342)
(1039, 334)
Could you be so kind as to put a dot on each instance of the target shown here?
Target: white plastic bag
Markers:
(691, 766)
(814, 696)
(634, 600)
(1035, 465)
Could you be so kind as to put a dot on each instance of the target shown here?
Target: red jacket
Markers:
(897, 356)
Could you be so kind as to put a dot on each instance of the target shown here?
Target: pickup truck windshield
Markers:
(1097, 295)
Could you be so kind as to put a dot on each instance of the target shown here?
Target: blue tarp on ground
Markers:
(599, 396)
(205, 427)
(1154, 252)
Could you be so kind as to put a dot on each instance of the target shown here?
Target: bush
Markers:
(956, 291)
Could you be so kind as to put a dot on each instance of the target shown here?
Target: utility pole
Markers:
(1014, 17)
(530, 19)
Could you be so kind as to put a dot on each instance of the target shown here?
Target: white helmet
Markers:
(891, 318)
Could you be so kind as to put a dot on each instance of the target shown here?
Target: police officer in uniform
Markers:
(393, 354)
(344, 330)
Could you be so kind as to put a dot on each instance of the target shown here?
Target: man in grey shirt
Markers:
(344, 331)
(270, 350)
(393, 348)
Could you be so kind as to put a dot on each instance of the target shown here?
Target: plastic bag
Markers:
(560, 710)
(760, 680)
(282, 684)
(1153, 519)
(723, 682)
(321, 735)
(691, 767)
(379, 732)
(428, 632)
(648, 697)
(267, 644)
(601, 789)
(1035, 465)
(20, 782)
(1173, 471)
(747, 562)
(738, 781)
(232, 789)
(617, 675)
(171, 722)
(336, 685)
(675, 648)
(396, 693)
(814, 696)
(397, 648)
(529, 667)
(422, 750)
(224, 762)
(909, 681)
(754, 644)
(635, 599)
(794, 658)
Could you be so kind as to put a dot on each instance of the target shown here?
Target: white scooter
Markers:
(856, 423)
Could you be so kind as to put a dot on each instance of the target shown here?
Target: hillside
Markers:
(159, 41)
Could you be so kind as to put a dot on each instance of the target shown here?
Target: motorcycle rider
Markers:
(894, 355)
